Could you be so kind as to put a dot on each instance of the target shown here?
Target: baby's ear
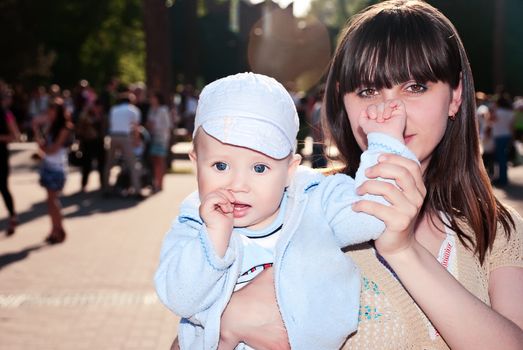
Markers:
(294, 162)
(193, 157)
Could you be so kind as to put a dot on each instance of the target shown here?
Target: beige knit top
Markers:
(390, 319)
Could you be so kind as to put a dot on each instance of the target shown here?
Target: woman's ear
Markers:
(456, 98)
(294, 162)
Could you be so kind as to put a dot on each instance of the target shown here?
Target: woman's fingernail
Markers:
(382, 158)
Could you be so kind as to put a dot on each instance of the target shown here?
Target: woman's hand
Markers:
(405, 198)
(252, 316)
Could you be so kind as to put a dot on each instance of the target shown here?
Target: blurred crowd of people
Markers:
(97, 118)
(89, 129)
(500, 121)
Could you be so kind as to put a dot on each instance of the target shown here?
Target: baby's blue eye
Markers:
(221, 166)
(260, 168)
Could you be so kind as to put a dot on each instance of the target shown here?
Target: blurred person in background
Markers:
(52, 132)
(124, 119)
(81, 95)
(518, 118)
(159, 124)
(8, 133)
(37, 106)
(484, 120)
(90, 132)
(502, 128)
(189, 103)
(109, 95)
(20, 106)
(139, 89)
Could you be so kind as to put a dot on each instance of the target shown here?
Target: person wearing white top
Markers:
(123, 120)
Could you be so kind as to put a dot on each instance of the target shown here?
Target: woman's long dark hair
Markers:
(396, 41)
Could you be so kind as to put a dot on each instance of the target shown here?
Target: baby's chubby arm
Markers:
(384, 125)
(192, 276)
(216, 212)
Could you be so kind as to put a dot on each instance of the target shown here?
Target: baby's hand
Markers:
(216, 210)
(389, 118)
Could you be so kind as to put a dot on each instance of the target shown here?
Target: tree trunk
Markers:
(158, 48)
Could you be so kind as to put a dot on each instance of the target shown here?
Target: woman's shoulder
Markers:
(507, 249)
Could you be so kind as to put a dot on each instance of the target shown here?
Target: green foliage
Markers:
(117, 46)
(63, 41)
(334, 13)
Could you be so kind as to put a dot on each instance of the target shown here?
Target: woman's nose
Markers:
(389, 94)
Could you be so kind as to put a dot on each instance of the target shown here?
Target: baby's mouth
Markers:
(240, 209)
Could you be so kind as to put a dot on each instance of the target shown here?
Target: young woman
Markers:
(52, 132)
(448, 270)
(8, 133)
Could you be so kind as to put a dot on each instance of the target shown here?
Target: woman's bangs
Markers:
(390, 51)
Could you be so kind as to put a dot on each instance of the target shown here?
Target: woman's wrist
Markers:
(404, 256)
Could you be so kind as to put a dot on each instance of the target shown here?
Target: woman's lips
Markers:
(408, 138)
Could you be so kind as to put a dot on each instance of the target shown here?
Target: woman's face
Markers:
(428, 107)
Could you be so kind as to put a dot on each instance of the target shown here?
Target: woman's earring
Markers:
(452, 117)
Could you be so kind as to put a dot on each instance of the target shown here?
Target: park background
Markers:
(174, 42)
(95, 290)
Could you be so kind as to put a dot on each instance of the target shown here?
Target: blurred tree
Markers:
(220, 45)
(183, 16)
(495, 50)
(334, 13)
(63, 41)
(116, 45)
(158, 59)
(204, 46)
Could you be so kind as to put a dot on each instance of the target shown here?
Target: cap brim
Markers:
(258, 135)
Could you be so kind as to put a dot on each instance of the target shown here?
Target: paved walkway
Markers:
(95, 290)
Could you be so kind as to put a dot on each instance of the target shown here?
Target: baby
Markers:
(256, 208)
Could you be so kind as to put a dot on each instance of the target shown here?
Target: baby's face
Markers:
(256, 181)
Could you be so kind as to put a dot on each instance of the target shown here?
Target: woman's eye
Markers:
(367, 92)
(260, 168)
(220, 166)
(417, 88)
